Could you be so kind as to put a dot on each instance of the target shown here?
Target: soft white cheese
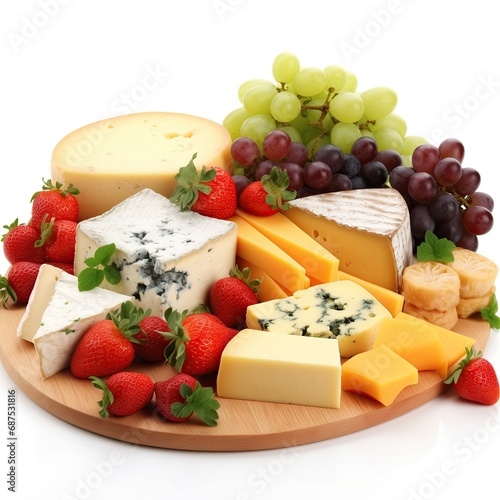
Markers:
(166, 258)
(58, 315)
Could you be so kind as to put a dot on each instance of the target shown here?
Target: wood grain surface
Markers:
(242, 425)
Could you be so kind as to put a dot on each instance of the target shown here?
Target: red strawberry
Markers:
(124, 393)
(19, 244)
(58, 237)
(209, 192)
(152, 344)
(475, 379)
(268, 195)
(230, 296)
(181, 396)
(198, 342)
(55, 202)
(107, 346)
(19, 282)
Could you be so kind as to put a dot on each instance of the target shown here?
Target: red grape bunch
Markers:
(329, 170)
(443, 196)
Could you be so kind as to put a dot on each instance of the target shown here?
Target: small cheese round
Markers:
(112, 159)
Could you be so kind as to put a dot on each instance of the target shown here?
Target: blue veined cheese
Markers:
(341, 310)
(58, 315)
(166, 258)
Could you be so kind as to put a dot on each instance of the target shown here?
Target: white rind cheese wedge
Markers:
(58, 314)
(368, 230)
(167, 258)
(112, 159)
(341, 310)
(264, 366)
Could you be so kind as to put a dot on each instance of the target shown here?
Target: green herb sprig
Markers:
(99, 269)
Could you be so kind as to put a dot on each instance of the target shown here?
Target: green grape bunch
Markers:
(316, 107)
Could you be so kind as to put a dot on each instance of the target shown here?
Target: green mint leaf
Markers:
(91, 262)
(90, 278)
(93, 275)
(490, 313)
(435, 249)
(112, 275)
(103, 254)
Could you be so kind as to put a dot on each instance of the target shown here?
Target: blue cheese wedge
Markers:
(166, 258)
(58, 314)
(341, 310)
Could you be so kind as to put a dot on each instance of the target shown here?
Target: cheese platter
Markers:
(399, 223)
(243, 425)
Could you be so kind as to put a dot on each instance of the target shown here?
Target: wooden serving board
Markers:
(242, 425)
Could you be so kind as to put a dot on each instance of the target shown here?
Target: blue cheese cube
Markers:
(166, 258)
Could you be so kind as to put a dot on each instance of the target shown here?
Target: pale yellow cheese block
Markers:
(110, 160)
(265, 366)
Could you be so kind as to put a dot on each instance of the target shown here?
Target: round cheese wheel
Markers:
(112, 159)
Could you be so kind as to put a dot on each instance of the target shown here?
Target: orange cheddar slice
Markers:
(454, 343)
(417, 342)
(269, 288)
(318, 262)
(379, 373)
(253, 246)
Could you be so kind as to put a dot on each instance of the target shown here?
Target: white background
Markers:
(66, 63)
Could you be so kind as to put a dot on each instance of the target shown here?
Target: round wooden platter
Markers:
(242, 425)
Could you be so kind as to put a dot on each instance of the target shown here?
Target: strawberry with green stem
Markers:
(19, 244)
(475, 379)
(197, 342)
(230, 296)
(268, 195)
(124, 393)
(181, 396)
(17, 285)
(54, 202)
(107, 346)
(58, 239)
(210, 192)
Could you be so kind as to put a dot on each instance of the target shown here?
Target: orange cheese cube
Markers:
(318, 262)
(454, 343)
(253, 246)
(416, 342)
(379, 373)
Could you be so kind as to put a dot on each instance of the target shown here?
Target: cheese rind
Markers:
(368, 230)
(166, 258)
(263, 366)
(340, 310)
(112, 159)
(58, 314)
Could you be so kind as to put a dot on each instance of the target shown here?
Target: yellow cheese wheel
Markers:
(110, 160)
